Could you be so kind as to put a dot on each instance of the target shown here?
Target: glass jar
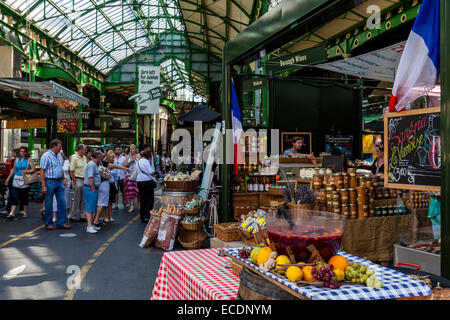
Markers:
(344, 193)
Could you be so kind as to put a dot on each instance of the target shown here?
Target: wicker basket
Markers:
(182, 185)
(193, 212)
(252, 238)
(236, 268)
(228, 231)
(193, 226)
(192, 239)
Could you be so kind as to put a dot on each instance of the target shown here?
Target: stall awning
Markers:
(200, 113)
(378, 65)
(47, 89)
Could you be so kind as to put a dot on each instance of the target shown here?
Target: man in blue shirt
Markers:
(52, 181)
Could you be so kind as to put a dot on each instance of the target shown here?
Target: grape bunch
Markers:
(359, 273)
(244, 253)
(325, 274)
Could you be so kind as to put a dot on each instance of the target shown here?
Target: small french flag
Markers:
(420, 62)
(236, 123)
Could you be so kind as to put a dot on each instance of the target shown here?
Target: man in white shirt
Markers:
(119, 175)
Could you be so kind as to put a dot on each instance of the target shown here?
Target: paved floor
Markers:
(40, 264)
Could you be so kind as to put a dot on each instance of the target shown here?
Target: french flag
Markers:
(236, 122)
(420, 62)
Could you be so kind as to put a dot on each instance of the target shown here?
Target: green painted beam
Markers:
(353, 42)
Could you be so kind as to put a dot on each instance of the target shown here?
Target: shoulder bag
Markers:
(105, 173)
(30, 178)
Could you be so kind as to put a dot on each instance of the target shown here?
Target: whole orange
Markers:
(339, 262)
(307, 275)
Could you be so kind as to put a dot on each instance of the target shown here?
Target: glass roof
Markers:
(103, 32)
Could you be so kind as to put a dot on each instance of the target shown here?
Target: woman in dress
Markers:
(130, 188)
(22, 165)
(109, 162)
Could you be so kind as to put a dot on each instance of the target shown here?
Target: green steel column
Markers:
(33, 58)
(102, 112)
(136, 89)
(445, 139)
(43, 146)
(80, 109)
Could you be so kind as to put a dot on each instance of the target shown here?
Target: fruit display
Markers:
(170, 209)
(332, 275)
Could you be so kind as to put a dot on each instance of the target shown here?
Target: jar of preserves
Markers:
(335, 195)
(384, 211)
(363, 210)
(352, 195)
(378, 212)
(353, 211)
(346, 178)
(338, 180)
(317, 181)
(351, 171)
(344, 193)
(345, 210)
(386, 193)
(371, 211)
(337, 209)
(353, 181)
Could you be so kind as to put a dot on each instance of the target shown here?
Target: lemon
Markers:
(263, 255)
(254, 254)
(339, 275)
(282, 259)
(294, 273)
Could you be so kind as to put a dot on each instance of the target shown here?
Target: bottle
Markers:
(249, 185)
(267, 184)
(261, 185)
(242, 184)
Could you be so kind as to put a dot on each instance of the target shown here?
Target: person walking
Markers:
(67, 187)
(119, 176)
(92, 181)
(23, 164)
(77, 165)
(52, 181)
(167, 163)
(130, 188)
(10, 162)
(159, 174)
(146, 184)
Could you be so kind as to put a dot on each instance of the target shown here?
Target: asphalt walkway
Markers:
(74, 265)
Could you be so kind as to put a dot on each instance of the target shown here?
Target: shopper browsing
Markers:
(77, 165)
(22, 165)
(92, 182)
(130, 188)
(146, 184)
(119, 175)
(52, 181)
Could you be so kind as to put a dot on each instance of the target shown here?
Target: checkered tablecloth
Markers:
(395, 284)
(195, 275)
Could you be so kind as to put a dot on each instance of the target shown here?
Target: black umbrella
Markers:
(200, 113)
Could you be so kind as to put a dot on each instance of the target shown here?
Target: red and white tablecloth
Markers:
(195, 275)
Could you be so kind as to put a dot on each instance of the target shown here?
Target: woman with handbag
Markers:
(23, 165)
(107, 199)
(146, 184)
(130, 188)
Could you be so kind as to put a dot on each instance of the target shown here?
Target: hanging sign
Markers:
(149, 91)
(412, 153)
(254, 84)
(298, 60)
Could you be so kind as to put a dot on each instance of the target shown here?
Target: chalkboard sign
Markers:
(413, 150)
(334, 162)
